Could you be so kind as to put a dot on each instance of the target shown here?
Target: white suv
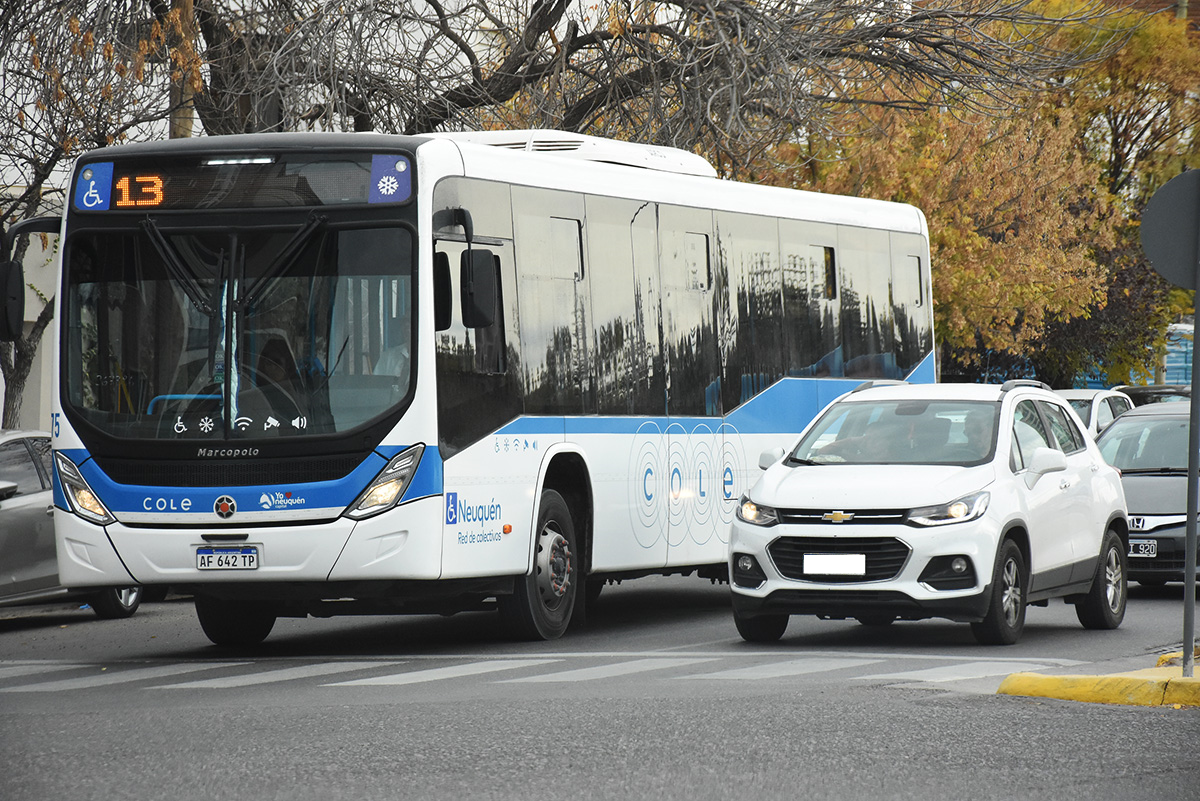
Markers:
(960, 501)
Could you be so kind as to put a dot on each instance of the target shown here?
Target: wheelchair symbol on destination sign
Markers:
(91, 198)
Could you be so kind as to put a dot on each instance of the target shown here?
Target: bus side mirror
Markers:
(12, 301)
(477, 276)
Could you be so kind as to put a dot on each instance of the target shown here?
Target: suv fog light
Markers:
(746, 571)
(954, 572)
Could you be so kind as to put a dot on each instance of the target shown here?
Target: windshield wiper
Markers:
(283, 260)
(176, 267)
(798, 460)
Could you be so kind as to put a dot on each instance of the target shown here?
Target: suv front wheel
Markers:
(1005, 619)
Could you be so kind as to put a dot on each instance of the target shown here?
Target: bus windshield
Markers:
(217, 333)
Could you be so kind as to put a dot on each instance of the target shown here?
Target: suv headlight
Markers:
(756, 514)
(388, 487)
(80, 497)
(968, 507)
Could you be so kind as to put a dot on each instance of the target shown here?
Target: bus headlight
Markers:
(388, 487)
(80, 497)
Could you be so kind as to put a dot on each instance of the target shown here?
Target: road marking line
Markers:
(119, 677)
(270, 676)
(13, 671)
(438, 674)
(969, 670)
(777, 670)
(608, 671)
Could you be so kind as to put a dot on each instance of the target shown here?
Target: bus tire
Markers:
(542, 602)
(234, 623)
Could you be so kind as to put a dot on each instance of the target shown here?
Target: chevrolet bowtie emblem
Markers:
(837, 517)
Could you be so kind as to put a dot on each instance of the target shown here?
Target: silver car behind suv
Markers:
(28, 565)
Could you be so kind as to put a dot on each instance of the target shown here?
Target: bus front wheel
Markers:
(541, 604)
(234, 623)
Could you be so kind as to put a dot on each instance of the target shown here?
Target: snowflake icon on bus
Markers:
(388, 185)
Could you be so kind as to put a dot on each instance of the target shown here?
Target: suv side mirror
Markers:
(477, 277)
(1044, 460)
(769, 457)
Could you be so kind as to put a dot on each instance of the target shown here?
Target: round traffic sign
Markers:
(1171, 229)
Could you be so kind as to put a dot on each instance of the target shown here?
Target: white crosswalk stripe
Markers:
(969, 670)
(15, 671)
(761, 667)
(779, 670)
(609, 671)
(272, 676)
(123, 676)
(438, 674)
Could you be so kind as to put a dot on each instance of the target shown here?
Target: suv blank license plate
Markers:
(227, 557)
(835, 564)
(1143, 547)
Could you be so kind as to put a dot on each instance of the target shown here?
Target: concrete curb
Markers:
(1156, 686)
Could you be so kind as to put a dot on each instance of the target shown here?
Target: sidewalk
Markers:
(1162, 685)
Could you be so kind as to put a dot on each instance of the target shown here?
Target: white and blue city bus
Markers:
(324, 374)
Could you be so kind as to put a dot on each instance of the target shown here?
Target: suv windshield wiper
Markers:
(798, 460)
(176, 267)
(1165, 471)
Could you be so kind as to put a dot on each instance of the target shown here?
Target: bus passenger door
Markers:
(689, 279)
(628, 452)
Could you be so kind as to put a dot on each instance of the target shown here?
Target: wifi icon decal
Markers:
(243, 423)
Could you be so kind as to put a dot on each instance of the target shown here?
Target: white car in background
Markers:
(961, 501)
(1097, 407)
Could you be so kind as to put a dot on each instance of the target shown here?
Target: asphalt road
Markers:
(656, 697)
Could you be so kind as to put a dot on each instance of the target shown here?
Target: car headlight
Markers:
(80, 497)
(968, 507)
(756, 514)
(388, 487)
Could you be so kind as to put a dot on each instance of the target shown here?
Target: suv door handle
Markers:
(50, 510)
(1064, 484)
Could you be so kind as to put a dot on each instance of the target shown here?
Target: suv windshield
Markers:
(237, 334)
(902, 432)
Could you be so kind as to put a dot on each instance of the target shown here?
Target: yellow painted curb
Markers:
(1175, 658)
(1151, 687)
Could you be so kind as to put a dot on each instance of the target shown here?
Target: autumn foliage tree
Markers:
(1014, 214)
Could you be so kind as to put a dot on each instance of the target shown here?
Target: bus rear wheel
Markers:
(234, 623)
(542, 602)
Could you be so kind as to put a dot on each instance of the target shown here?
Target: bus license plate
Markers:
(227, 557)
(1143, 548)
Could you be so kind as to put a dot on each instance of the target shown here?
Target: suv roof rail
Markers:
(879, 382)
(1013, 383)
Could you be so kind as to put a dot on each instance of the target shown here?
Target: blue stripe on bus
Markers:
(266, 497)
(200, 500)
(785, 407)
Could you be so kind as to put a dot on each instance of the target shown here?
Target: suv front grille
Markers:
(831, 517)
(885, 556)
